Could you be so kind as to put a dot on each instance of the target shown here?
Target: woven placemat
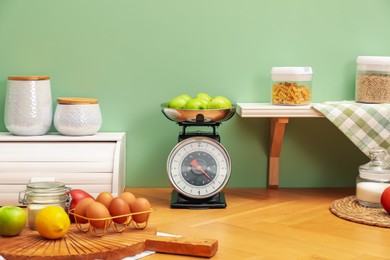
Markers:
(348, 208)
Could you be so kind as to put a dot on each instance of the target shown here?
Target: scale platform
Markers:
(180, 201)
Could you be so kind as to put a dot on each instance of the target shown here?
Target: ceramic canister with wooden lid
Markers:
(77, 116)
(28, 105)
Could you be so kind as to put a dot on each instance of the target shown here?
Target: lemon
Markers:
(52, 222)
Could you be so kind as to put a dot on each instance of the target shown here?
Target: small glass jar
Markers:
(373, 179)
(291, 85)
(42, 194)
(372, 83)
(77, 116)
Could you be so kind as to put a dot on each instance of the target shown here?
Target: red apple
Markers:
(385, 199)
(77, 196)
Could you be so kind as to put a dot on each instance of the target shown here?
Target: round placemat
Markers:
(348, 208)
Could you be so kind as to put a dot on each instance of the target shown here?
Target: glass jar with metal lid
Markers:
(373, 179)
(42, 194)
(77, 116)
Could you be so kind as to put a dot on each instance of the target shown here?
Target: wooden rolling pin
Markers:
(182, 246)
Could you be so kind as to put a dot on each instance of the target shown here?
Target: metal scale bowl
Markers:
(198, 166)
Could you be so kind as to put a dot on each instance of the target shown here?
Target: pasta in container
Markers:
(291, 85)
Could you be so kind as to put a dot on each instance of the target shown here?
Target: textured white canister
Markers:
(28, 105)
(77, 116)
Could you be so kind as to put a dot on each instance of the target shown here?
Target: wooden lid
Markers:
(76, 101)
(28, 77)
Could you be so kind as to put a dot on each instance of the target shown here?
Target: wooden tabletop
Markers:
(271, 224)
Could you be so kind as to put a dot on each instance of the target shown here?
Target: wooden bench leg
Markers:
(278, 126)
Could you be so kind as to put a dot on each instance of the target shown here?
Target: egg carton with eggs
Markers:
(100, 226)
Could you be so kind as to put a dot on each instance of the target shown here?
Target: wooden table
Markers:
(279, 116)
(261, 223)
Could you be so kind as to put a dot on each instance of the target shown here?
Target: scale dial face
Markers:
(198, 167)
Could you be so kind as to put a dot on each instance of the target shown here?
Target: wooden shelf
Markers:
(269, 110)
(279, 116)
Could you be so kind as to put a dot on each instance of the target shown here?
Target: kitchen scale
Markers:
(198, 166)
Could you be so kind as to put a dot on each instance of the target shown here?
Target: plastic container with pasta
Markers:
(291, 86)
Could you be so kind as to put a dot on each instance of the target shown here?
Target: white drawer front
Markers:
(55, 167)
(56, 151)
(57, 156)
(68, 178)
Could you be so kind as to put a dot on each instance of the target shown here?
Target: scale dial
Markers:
(198, 167)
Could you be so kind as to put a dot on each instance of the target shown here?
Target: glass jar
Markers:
(373, 179)
(42, 194)
(372, 83)
(28, 105)
(77, 116)
(291, 85)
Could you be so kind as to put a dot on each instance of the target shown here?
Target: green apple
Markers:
(204, 96)
(179, 101)
(196, 103)
(12, 220)
(219, 102)
(186, 96)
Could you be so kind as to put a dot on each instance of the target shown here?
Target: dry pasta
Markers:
(286, 93)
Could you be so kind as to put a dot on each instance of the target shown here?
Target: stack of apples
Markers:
(200, 101)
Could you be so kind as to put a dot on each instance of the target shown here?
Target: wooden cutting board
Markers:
(112, 245)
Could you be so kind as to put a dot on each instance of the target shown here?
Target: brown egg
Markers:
(140, 205)
(97, 210)
(128, 197)
(119, 206)
(81, 208)
(105, 198)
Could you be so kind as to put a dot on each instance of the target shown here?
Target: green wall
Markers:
(134, 55)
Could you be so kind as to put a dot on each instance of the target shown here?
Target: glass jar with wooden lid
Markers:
(77, 116)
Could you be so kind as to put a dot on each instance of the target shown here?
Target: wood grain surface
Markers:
(112, 245)
(260, 223)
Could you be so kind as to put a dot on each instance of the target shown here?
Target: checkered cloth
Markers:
(366, 125)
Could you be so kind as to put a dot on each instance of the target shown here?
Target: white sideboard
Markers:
(93, 163)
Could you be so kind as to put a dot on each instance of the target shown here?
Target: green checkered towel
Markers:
(366, 125)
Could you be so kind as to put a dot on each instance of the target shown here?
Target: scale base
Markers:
(179, 201)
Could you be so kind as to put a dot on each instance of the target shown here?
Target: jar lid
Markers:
(28, 78)
(76, 101)
(373, 63)
(373, 60)
(291, 73)
(45, 185)
(377, 168)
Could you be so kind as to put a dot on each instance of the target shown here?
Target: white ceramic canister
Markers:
(77, 116)
(28, 105)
